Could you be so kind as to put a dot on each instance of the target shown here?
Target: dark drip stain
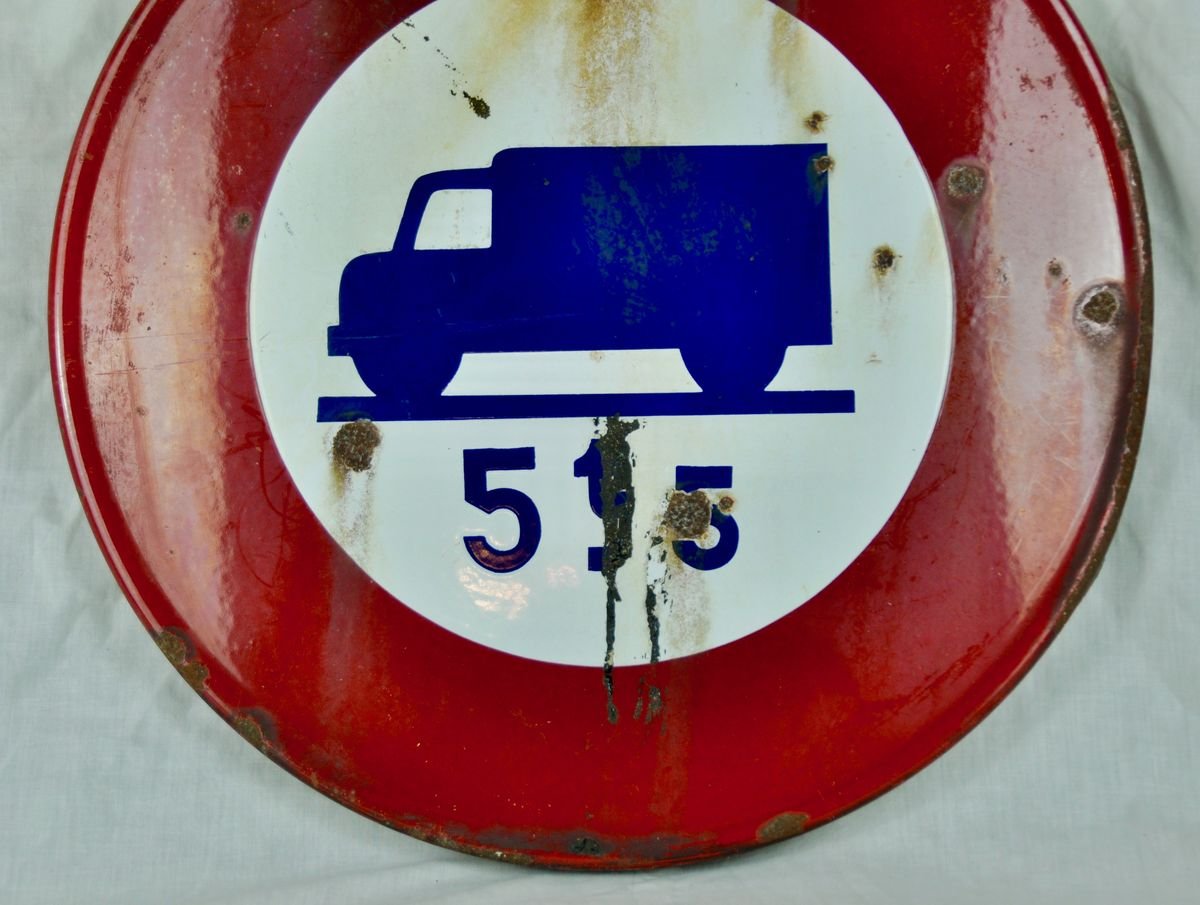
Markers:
(649, 703)
(617, 508)
(652, 623)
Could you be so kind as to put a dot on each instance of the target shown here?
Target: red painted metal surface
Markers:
(780, 732)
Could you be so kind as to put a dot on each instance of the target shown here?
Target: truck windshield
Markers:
(456, 219)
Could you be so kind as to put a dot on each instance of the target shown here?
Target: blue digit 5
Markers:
(690, 478)
(477, 463)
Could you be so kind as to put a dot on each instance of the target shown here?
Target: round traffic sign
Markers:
(602, 434)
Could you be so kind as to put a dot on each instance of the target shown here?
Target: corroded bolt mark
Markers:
(355, 444)
(179, 653)
(243, 221)
(1099, 311)
(884, 260)
(688, 514)
(816, 122)
(824, 164)
(726, 504)
(966, 181)
(1056, 269)
(784, 826)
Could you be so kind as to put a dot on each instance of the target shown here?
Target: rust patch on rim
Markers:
(784, 826)
(255, 727)
(181, 654)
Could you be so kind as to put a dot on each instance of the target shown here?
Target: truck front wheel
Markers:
(402, 371)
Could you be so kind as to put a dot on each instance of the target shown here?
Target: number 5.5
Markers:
(476, 465)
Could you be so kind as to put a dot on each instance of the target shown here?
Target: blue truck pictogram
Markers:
(721, 252)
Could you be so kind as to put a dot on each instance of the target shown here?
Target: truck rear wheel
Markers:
(726, 368)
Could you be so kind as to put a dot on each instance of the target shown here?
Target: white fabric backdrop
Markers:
(118, 785)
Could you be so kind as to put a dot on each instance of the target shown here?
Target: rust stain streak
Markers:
(615, 38)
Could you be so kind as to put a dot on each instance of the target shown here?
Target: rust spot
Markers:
(179, 652)
(784, 826)
(479, 106)
(966, 181)
(586, 845)
(1099, 311)
(142, 411)
(884, 260)
(243, 221)
(688, 515)
(354, 446)
(1056, 269)
(816, 122)
(824, 164)
(726, 504)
